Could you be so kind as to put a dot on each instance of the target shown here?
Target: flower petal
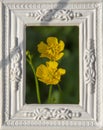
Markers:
(52, 41)
(42, 47)
(55, 81)
(61, 46)
(59, 56)
(61, 71)
(52, 64)
(41, 71)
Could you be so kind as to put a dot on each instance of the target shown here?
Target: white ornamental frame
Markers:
(15, 16)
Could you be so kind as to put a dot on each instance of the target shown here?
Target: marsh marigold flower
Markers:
(52, 50)
(49, 73)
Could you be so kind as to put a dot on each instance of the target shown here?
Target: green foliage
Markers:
(70, 61)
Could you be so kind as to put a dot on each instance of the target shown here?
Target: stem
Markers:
(50, 92)
(36, 82)
(60, 90)
(37, 89)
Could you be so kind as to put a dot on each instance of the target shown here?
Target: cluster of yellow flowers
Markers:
(49, 73)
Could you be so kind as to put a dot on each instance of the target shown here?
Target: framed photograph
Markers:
(59, 63)
(51, 64)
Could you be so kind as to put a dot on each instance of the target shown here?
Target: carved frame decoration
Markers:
(15, 16)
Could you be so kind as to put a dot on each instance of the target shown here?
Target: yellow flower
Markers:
(52, 50)
(49, 73)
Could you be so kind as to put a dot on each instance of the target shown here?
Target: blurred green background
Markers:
(70, 81)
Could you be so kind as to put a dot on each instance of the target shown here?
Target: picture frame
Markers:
(15, 16)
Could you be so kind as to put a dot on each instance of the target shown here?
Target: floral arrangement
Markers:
(48, 73)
